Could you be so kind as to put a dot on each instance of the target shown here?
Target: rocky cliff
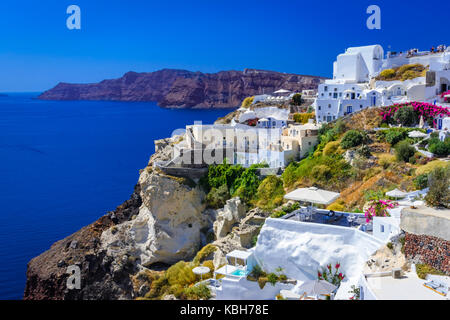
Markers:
(185, 89)
(164, 221)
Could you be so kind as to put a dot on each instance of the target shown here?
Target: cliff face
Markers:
(184, 89)
(164, 221)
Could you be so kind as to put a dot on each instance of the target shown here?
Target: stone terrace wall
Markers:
(431, 250)
(427, 236)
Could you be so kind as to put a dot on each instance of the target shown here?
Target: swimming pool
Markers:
(240, 273)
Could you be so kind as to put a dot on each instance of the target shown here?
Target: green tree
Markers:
(439, 182)
(297, 99)
(352, 138)
(406, 116)
(404, 151)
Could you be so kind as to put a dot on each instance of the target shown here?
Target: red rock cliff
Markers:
(184, 89)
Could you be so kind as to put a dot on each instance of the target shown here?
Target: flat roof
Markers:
(239, 254)
(409, 287)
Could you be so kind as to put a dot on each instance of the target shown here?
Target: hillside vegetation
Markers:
(405, 72)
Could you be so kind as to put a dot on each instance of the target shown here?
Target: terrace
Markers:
(330, 217)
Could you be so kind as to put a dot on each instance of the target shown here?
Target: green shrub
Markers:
(285, 210)
(297, 99)
(352, 138)
(424, 269)
(439, 148)
(331, 148)
(404, 151)
(406, 116)
(339, 172)
(262, 282)
(421, 181)
(303, 117)
(204, 253)
(217, 197)
(438, 184)
(247, 102)
(387, 73)
(321, 172)
(270, 193)
(272, 278)
(180, 273)
(390, 245)
(257, 272)
(198, 292)
(385, 160)
(364, 151)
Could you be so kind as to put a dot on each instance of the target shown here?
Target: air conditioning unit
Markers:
(396, 273)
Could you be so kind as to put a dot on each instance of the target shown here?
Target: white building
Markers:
(354, 87)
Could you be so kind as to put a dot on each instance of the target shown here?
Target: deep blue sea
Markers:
(63, 164)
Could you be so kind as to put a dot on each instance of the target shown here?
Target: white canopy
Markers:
(313, 195)
(417, 134)
(396, 193)
(282, 91)
(317, 287)
(239, 254)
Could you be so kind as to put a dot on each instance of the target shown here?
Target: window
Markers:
(382, 228)
(320, 108)
(329, 106)
(325, 88)
(360, 106)
(340, 94)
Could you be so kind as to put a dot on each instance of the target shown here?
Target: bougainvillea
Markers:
(429, 111)
(378, 208)
(446, 93)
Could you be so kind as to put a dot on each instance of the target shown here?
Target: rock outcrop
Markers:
(184, 89)
(102, 278)
(168, 226)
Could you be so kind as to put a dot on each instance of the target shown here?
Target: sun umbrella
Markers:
(417, 134)
(421, 122)
(313, 195)
(282, 91)
(396, 194)
(201, 271)
(317, 287)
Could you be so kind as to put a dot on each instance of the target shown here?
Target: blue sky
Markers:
(37, 50)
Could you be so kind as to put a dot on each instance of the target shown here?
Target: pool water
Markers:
(240, 273)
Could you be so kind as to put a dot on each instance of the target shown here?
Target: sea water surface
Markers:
(64, 164)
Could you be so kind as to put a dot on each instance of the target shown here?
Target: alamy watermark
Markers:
(74, 280)
(73, 22)
(374, 20)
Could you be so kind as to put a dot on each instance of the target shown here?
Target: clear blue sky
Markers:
(37, 50)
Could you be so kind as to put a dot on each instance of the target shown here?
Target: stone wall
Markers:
(431, 250)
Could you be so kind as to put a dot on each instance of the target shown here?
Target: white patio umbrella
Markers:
(417, 134)
(312, 195)
(421, 122)
(201, 271)
(282, 91)
(317, 287)
(396, 193)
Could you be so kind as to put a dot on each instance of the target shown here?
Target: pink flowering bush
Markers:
(444, 94)
(378, 208)
(429, 111)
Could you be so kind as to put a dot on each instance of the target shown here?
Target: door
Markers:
(349, 109)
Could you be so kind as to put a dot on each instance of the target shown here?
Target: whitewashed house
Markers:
(354, 86)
